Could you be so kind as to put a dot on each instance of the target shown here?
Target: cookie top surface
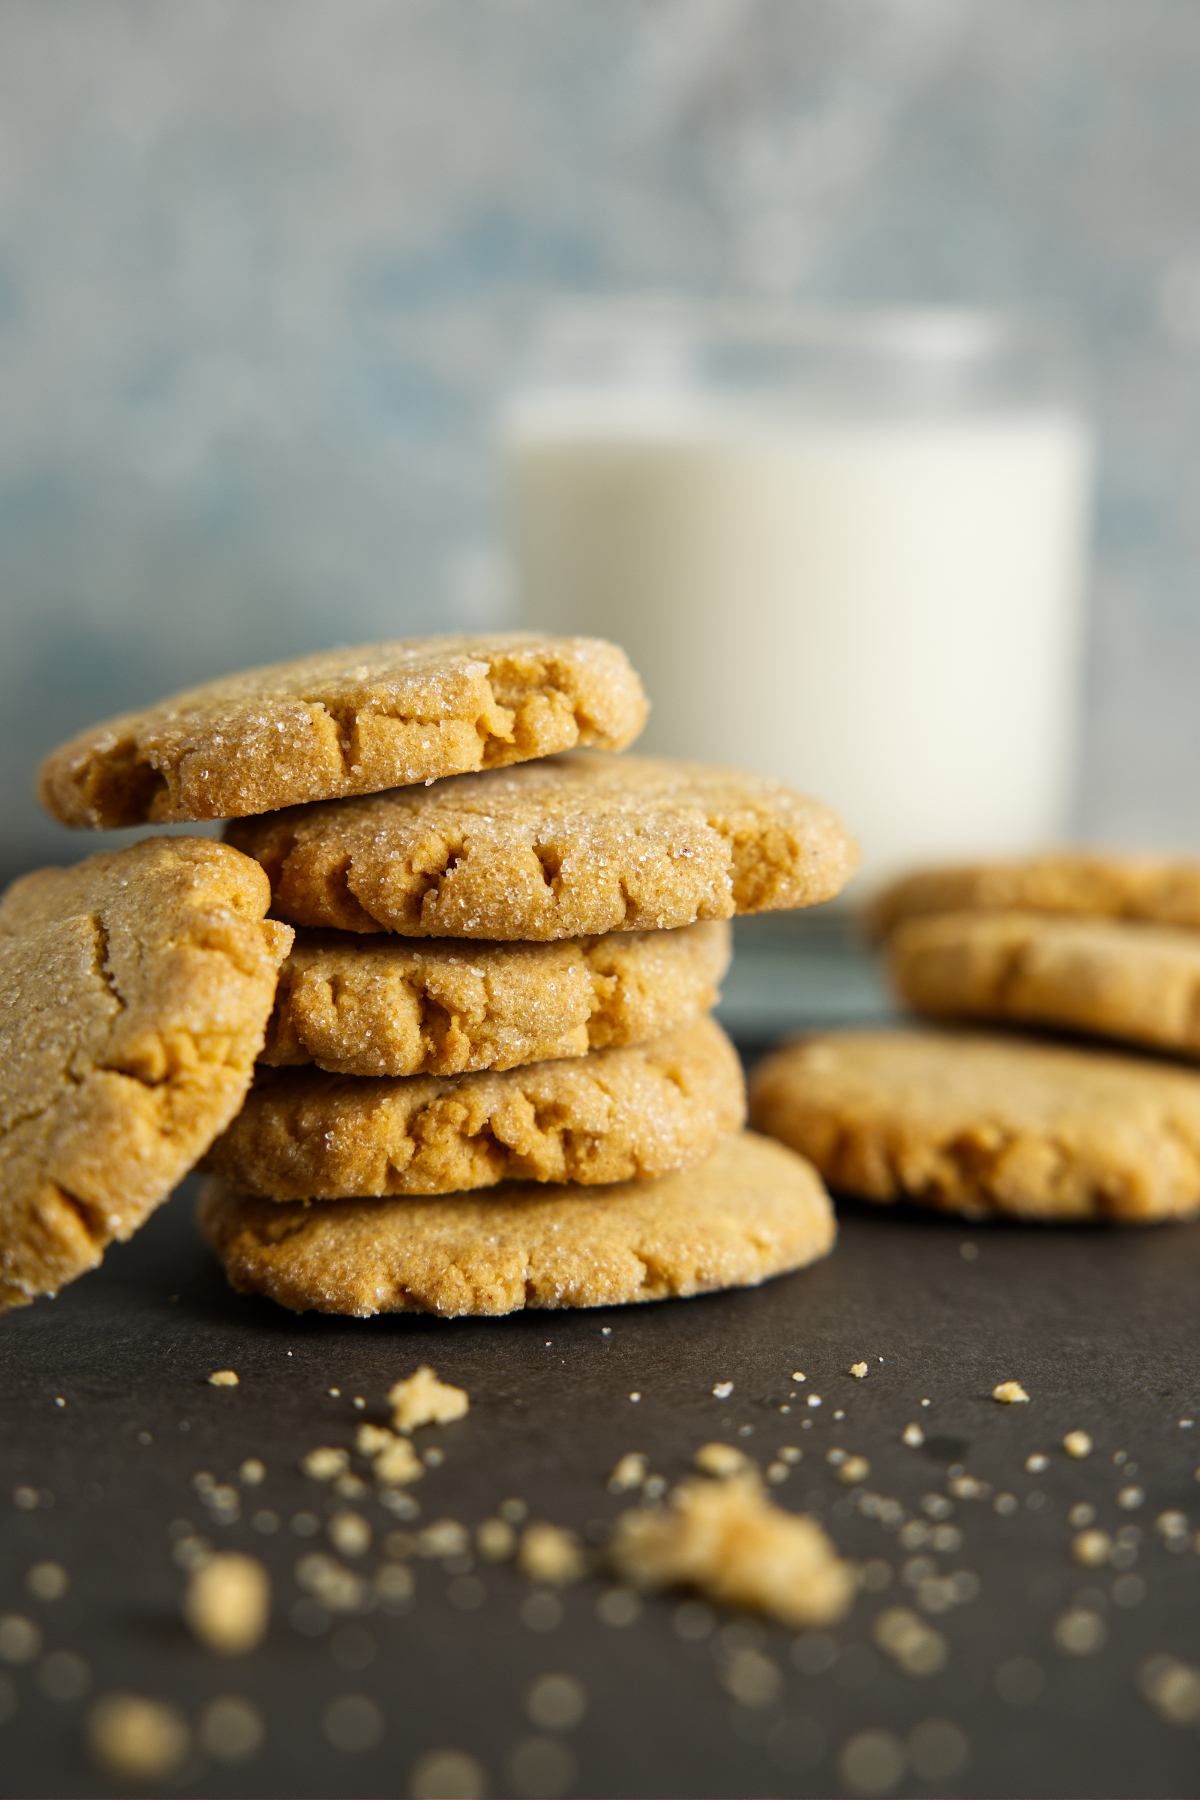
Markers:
(751, 1211)
(1119, 978)
(440, 1006)
(980, 1124)
(1160, 889)
(609, 1116)
(566, 847)
(350, 721)
(134, 990)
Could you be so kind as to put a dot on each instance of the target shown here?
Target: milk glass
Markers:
(844, 549)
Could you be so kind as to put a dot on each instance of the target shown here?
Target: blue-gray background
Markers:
(264, 265)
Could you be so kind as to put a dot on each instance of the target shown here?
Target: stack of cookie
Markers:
(489, 1078)
(1055, 1126)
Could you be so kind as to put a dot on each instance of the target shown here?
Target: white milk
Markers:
(883, 611)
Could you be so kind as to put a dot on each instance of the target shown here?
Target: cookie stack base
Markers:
(754, 1209)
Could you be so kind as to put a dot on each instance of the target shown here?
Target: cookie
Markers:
(134, 991)
(567, 847)
(609, 1116)
(1163, 890)
(978, 1124)
(751, 1211)
(360, 1006)
(349, 721)
(1115, 977)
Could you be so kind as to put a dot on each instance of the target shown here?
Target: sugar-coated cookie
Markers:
(349, 721)
(1161, 889)
(753, 1210)
(134, 991)
(1119, 978)
(439, 1006)
(609, 1116)
(565, 847)
(979, 1124)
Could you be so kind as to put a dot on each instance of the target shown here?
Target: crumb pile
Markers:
(1008, 1122)
(507, 944)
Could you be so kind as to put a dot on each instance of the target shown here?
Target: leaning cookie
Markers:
(981, 1125)
(560, 848)
(134, 991)
(612, 1115)
(438, 1006)
(1164, 890)
(1118, 978)
(753, 1210)
(350, 721)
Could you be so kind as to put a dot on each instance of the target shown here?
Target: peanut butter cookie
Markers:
(983, 1125)
(390, 1006)
(134, 991)
(751, 1211)
(1163, 890)
(1116, 977)
(349, 721)
(609, 1116)
(561, 848)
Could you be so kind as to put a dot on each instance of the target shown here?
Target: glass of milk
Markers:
(846, 549)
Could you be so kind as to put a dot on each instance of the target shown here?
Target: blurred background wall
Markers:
(266, 264)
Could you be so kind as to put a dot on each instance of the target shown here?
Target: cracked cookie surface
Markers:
(566, 847)
(134, 990)
(375, 1006)
(350, 721)
(977, 1124)
(1118, 978)
(753, 1210)
(612, 1115)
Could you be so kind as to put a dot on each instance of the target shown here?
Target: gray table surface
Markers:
(1099, 1326)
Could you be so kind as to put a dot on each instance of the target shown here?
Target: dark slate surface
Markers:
(1098, 1325)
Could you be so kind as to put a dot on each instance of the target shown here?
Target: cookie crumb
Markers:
(1078, 1444)
(859, 1371)
(1080, 1631)
(135, 1738)
(814, 1399)
(395, 1462)
(325, 1463)
(1091, 1548)
(47, 1581)
(1172, 1688)
(349, 1533)
(721, 1461)
(1036, 1464)
(722, 1390)
(223, 1378)
(1010, 1393)
(635, 1396)
(629, 1473)
(424, 1400)
(727, 1539)
(228, 1603)
(913, 1436)
(495, 1540)
(799, 1375)
(854, 1470)
(913, 1646)
(231, 1729)
(549, 1554)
